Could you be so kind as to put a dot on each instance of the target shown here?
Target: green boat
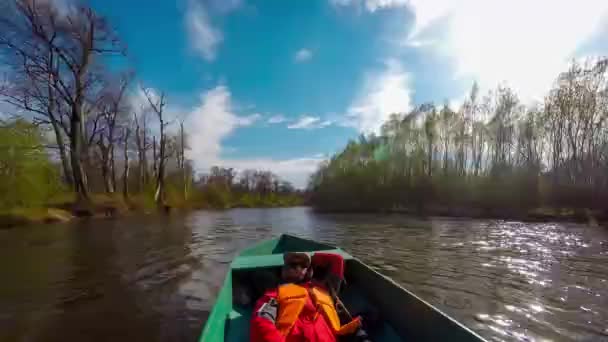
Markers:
(404, 316)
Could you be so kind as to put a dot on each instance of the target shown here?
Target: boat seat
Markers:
(356, 304)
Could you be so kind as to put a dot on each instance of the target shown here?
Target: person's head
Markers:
(295, 267)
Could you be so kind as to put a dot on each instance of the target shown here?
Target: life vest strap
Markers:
(292, 299)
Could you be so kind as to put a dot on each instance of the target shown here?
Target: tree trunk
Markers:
(160, 179)
(144, 156)
(111, 164)
(112, 167)
(65, 163)
(140, 157)
(76, 151)
(154, 157)
(158, 107)
(125, 173)
(183, 158)
(105, 166)
(445, 156)
(107, 180)
(430, 158)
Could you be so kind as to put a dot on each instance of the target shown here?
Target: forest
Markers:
(72, 137)
(495, 155)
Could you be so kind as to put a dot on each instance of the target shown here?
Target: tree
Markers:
(182, 159)
(125, 173)
(446, 119)
(27, 177)
(31, 84)
(142, 143)
(514, 149)
(157, 104)
(70, 43)
(430, 133)
(113, 110)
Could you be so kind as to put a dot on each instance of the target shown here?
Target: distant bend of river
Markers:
(156, 278)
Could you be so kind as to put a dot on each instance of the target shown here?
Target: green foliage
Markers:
(217, 196)
(221, 197)
(492, 155)
(27, 177)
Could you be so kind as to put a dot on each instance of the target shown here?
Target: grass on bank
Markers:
(63, 207)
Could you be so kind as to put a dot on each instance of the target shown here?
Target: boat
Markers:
(403, 315)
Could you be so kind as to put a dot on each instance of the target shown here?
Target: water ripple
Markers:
(157, 278)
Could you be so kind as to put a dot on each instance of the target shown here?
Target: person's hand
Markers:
(370, 320)
(361, 336)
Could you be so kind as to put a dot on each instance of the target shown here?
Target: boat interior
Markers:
(249, 284)
(397, 314)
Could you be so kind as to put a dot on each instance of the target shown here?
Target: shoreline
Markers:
(19, 217)
(592, 217)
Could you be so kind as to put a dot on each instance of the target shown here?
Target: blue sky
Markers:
(280, 85)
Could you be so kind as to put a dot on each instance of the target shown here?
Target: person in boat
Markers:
(302, 308)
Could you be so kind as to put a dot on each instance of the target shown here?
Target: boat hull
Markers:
(403, 315)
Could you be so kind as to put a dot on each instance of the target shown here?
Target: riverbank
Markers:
(543, 214)
(65, 208)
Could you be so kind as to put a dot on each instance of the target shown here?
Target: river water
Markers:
(155, 278)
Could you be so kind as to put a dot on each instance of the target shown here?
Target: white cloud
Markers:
(456, 103)
(276, 119)
(295, 170)
(521, 42)
(384, 92)
(211, 122)
(309, 122)
(303, 55)
(214, 120)
(203, 36)
(525, 43)
(249, 119)
(138, 100)
(304, 122)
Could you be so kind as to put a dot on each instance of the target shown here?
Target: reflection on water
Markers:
(156, 278)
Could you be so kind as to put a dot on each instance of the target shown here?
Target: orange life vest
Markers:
(292, 298)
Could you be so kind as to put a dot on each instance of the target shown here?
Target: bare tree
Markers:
(157, 104)
(154, 157)
(182, 159)
(34, 66)
(113, 107)
(125, 172)
(431, 135)
(446, 120)
(73, 39)
(142, 143)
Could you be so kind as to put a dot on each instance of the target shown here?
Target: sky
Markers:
(282, 85)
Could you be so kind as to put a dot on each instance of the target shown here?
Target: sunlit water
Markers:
(156, 278)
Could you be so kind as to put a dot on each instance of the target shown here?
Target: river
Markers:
(155, 278)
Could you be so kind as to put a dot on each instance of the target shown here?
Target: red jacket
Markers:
(311, 326)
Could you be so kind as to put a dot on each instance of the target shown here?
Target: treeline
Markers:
(30, 177)
(225, 188)
(75, 124)
(494, 155)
